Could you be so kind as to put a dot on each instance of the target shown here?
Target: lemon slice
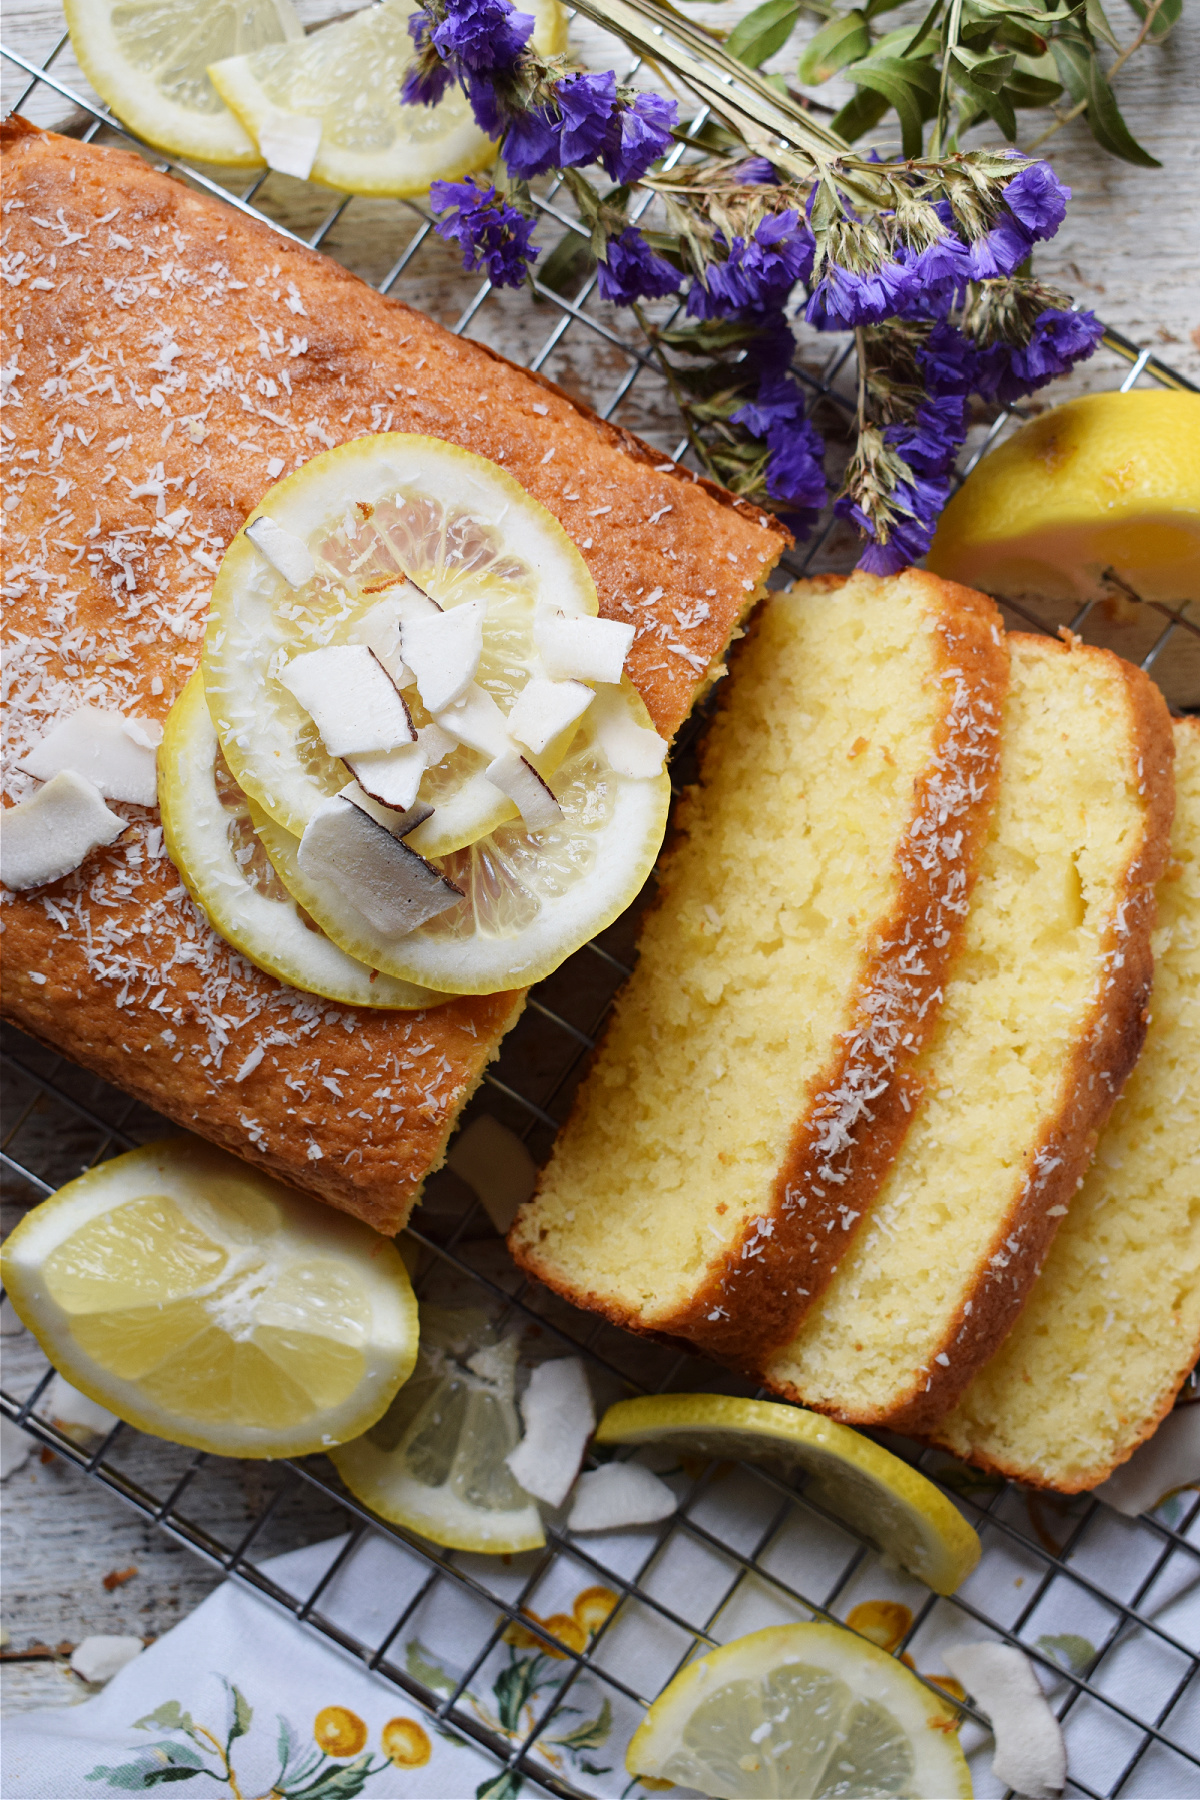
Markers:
(211, 841)
(801, 1711)
(435, 1461)
(149, 60)
(206, 1303)
(1106, 481)
(371, 512)
(857, 1480)
(347, 79)
(530, 897)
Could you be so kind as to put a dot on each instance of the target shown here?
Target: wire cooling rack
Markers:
(1114, 1579)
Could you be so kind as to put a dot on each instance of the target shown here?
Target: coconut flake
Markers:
(393, 888)
(575, 647)
(351, 699)
(285, 552)
(526, 789)
(114, 753)
(492, 1159)
(1169, 1460)
(544, 709)
(443, 649)
(380, 628)
(289, 142)
(631, 749)
(559, 1419)
(47, 836)
(1030, 1753)
(618, 1494)
(99, 1658)
(437, 743)
(477, 721)
(398, 820)
(393, 776)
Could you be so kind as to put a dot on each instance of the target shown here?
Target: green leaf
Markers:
(988, 69)
(908, 86)
(708, 336)
(1069, 1651)
(243, 1713)
(421, 1665)
(843, 40)
(994, 105)
(514, 1686)
(1084, 79)
(1168, 15)
(570, 260)
(1097, 23)
(340, 1782)
(762, 32)
(129, 1778)
(505, 1786)
(591, 1734)
(1034, 81)
(174, 1773)
(859, 115)
(170, 1716)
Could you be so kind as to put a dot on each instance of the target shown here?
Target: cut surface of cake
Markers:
(169, 357)
(1112, 1326)
(755, 1081)
(1042, 1021)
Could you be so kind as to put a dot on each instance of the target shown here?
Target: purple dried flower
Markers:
(490, 233)
(426, 77)
(587, 103)
(531, 142)
(642, 135)
(936, 277)
(909, 533)
(843, 299)
(1038, 198)
(930, 442)
(1004, 249)
(756, 171)
(630, 270)
(1058, 341)
(949, 360)
(485, 103)
(795, 473)
(758, 275)
(482, 35)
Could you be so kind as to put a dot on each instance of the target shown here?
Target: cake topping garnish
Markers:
(577, 648)
(443, 649)
(47, 836)
(544, 708)
(112, 752)
(631, 748)
(619, 1494)
(517, 778)
(559, 1418)
(352, 700)
(285, 552)
(393, 888)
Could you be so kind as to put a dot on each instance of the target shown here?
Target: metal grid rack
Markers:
(1119, 1574)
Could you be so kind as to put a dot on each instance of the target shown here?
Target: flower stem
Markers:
(1081, 106)
(677, 394)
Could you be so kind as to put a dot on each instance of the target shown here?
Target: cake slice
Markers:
(1042, 1021)
(1112, 1326)
(756, 1080)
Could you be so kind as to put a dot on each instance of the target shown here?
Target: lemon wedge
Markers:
(801, 1711)
(434, 1462)
(340, 91)
(531, 898)
(371, 513)
(149, 60)
(1106, 481)
(211, 841)
(857, 1480)
(205, 1303)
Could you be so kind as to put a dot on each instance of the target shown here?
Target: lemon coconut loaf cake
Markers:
(169, 358)
(1043, 1019)
(1112, 1326)
(757, 1076)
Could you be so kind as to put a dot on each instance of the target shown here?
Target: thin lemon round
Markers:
(801, 1712)
(149, 60)
(434, 1462)
(372, 512)
(206, 1303)
(1106, 481)
(859, 1481)
(531, 898)
(348, 76)
(212, 842)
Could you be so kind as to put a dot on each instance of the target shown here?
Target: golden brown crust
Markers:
(1104, 1059)
(214, 346)
(858, 1110)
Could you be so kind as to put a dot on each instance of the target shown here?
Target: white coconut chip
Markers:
(47, 836)
(391, 886)
(286, 553)
(526, 789)
(1030, 1753)
(437, 743)
(559, 1419)
(443, 649)
(544, 709)
(575, 648)
(398, 820)
(1169, 1460)
(351, 699)
(392, 776)
(476, 720)
(97, 1659)
(289, 143)
(114, 753)
(631, 749)
(618, 1494)
(379, 629)
(492, 1159)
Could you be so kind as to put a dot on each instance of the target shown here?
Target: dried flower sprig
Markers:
(766, 221)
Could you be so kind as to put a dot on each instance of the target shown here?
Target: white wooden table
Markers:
(1130, 248)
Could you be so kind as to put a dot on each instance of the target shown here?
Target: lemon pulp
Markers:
(877, 1493)
(206, 1303)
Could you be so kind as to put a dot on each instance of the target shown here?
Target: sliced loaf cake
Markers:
(1113, 1324)
(756, 1081)
(1042, 1021)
